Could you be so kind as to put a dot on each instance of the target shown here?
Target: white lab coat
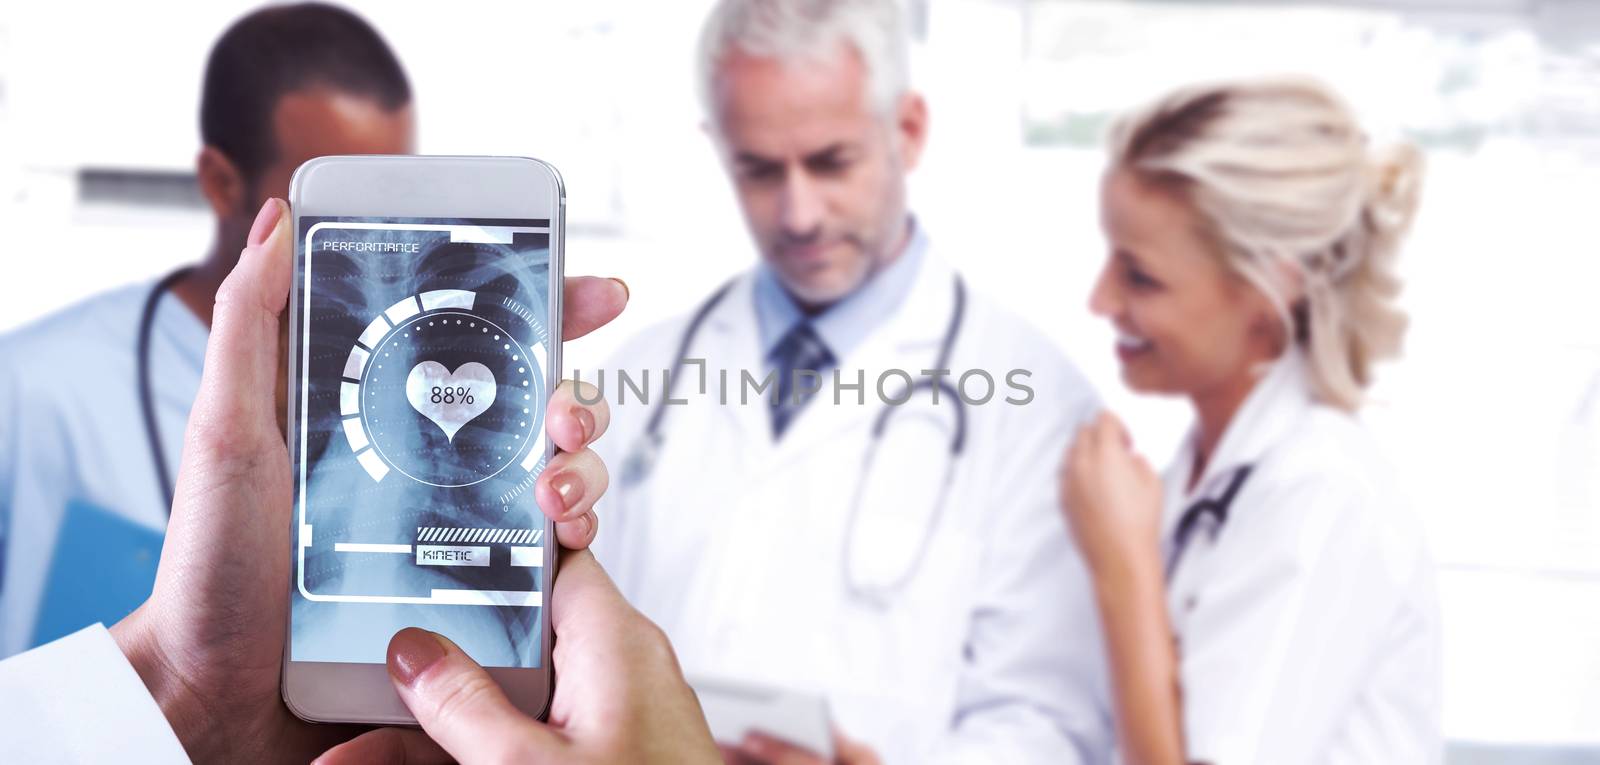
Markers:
(1308, 624)
(734, 543)
(78, 700)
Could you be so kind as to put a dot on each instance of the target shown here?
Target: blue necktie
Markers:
(799, 350)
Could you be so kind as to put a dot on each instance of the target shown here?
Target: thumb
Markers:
(241, 367)
(460, 706)
(584, 597)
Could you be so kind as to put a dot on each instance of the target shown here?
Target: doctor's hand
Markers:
(1112, 499)
(620, 695)
(759, 749)
(208, 642)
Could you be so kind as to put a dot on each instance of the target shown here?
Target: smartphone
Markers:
(424, 341)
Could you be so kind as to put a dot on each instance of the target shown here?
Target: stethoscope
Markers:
(1189, 522)
(643, 458)
(147, 407)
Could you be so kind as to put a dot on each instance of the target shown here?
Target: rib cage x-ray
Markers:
(421, 349)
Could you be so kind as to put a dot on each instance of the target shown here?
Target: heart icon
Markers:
(450, 400)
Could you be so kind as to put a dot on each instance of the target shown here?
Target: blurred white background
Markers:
(1493, 417)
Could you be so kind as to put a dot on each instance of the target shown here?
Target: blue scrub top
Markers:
(81, 511)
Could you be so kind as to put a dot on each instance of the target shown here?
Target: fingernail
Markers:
(569, 487)
(266, 220)
(585, 418)
(626, 293)
(412, 651)
(586, 523)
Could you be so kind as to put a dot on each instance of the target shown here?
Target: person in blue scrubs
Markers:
(83, 503)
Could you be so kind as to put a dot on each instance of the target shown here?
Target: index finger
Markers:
(1118, 430)
(589, 303)
(576, 415)
(1086, 443)
(1105, 433)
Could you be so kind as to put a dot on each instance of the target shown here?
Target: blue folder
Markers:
(103, 567)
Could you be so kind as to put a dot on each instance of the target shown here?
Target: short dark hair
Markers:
(280, 49)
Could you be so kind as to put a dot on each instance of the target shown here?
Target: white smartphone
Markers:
(424, 340)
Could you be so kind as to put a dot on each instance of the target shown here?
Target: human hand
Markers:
(761, 749)
(209, 641)
(1112, 498)
(621, 695)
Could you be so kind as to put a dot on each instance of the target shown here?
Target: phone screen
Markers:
(420, 348)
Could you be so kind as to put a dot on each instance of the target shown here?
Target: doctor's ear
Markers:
(1289, 280)
(221, 183)
(1287, 283)
(911, 128)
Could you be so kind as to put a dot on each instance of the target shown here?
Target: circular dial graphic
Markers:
(453, 396)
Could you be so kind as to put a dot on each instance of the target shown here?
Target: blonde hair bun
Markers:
(1280, 171)
(1395, 187)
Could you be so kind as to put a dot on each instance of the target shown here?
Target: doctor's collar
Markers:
(1269, 415)
(852, 318)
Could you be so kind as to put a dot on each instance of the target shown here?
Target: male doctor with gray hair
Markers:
(871, 528)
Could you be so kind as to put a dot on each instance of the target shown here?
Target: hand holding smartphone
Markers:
(210, 641)
(425, 315)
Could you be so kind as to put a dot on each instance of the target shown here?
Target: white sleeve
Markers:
(78, 700)
(1033, 687)
(1281, 642)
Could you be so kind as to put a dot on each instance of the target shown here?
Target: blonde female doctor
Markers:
(1270, 600)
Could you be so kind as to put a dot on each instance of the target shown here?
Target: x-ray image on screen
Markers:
(421, 351)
